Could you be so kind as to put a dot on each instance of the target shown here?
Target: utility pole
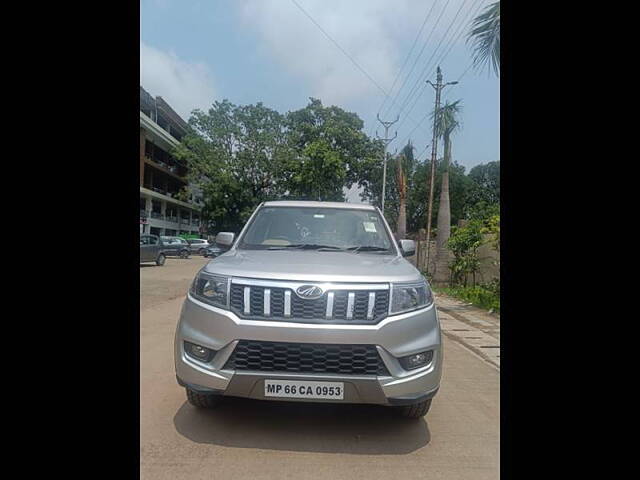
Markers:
(386, 141)
(434, 152)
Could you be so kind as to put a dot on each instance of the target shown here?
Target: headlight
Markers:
(410, 296)
(211, 289)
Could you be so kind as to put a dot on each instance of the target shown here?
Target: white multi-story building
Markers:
(161, 175)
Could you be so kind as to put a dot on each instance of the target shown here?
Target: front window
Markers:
(277, 228)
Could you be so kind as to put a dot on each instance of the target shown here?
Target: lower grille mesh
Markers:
(306, 358)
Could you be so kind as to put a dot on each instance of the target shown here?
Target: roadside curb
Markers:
(476, 333)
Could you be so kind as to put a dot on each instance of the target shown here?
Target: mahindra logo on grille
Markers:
(309, 292)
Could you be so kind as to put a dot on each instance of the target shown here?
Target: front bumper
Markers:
(394, 337)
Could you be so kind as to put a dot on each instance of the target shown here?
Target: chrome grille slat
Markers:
(372, 302)
(266, 308)
(350, 299)
(367, 307)
(287, 303)
(247, 300)
(329, 311)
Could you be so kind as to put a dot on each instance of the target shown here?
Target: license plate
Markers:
(304, 389)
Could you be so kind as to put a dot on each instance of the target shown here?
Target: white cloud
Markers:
(183, 85)
(374, 32)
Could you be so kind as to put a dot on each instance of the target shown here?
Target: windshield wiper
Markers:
(367, 248)
(306, 246)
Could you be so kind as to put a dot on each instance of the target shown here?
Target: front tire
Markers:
(160, 260)
(184, 254)
(417, 410)
(201, 251)
(202, 400)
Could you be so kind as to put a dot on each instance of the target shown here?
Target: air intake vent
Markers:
(306, 358)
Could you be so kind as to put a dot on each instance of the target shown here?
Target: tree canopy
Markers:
(240, 156)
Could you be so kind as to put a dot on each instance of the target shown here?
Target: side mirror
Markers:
(408, 248)
(225, 239)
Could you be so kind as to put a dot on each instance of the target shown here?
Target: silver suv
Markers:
(313, 302)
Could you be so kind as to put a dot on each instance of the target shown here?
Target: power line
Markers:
(411, 92)
(458, 32)
(461, 29)
(423, 151)
(414, 128)
(426, 19)
(422, 74)
(346, 54)
(340, 48)
(452, 87)
(426, 42)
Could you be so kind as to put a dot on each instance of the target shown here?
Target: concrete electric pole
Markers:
(386, 141)
(434, 152)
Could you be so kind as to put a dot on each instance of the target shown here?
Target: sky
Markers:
(194, 52)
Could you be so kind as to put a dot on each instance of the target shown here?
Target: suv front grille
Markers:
(306, 358)
(312, 311)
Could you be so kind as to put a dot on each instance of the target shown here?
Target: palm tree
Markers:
(485, 37)
(404, 168)
(447, 122)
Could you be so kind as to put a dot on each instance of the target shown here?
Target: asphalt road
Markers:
(458, 439)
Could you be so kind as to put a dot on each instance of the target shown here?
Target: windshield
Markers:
(279, 228)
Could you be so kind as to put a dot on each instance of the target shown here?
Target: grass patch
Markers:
(480, 296)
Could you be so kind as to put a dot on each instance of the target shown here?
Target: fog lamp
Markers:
(416, 360)
(198, 352)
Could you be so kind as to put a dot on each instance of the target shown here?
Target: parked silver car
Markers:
(198, 245)
(313, 302)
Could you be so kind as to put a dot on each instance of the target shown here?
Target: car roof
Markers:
(313, 204)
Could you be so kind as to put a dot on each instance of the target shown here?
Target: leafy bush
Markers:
(483, 296)
(464, 243)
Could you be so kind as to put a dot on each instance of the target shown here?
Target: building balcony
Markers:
(158, 193)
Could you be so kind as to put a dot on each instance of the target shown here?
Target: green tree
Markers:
(329, 152)
(485, 38)
(240, 156)
(446, 123)
(232, 152)
(484, 194)
(486, 177)
(459, 187)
